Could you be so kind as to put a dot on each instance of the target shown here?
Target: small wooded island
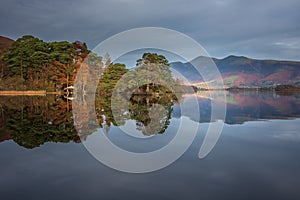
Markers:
(31, 66)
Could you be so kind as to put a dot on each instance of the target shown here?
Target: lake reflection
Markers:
(256, 157)
(33, 121)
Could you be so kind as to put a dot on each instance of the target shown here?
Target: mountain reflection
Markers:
(33, 121)
(248, 105)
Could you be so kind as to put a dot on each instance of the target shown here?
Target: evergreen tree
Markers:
(19, 57)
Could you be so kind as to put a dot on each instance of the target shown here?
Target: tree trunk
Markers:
(21, 69)
(2, 70)
(68, 75)
(67, 80)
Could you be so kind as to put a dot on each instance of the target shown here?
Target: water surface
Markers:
(257, 155)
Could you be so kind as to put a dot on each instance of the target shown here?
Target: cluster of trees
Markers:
(31, 63)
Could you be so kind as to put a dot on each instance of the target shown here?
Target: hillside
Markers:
(240, 71)
(5, 44)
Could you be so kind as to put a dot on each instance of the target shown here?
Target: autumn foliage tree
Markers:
(44, 65)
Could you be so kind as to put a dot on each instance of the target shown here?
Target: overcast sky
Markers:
(257, 29)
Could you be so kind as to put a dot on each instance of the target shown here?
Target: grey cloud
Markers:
(250, 28)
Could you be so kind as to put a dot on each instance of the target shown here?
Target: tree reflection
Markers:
(151, 110)
(34, 121)
(152, 114)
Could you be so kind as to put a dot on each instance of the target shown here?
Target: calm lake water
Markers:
(256, 157)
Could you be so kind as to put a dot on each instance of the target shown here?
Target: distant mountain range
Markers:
(240, 71)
